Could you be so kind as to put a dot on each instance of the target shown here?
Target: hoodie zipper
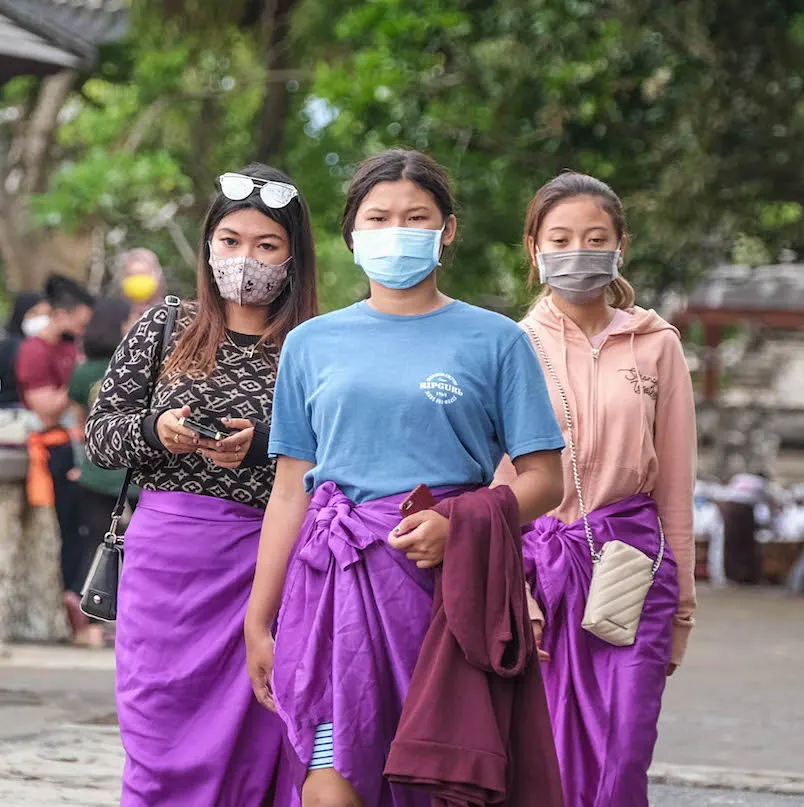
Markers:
(593, 411)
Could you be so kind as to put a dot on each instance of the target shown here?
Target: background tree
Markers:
(691, 110)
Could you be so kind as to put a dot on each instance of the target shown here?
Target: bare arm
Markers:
(280, 528)
(539, 485)
(48, 403)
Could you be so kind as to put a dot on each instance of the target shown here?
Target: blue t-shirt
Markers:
(381, 403)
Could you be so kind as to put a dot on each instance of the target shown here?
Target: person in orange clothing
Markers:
(617, 375)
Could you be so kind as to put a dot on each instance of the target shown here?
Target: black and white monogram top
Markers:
(121, 428)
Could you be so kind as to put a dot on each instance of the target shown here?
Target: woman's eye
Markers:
(418, 218)
(559, 241)
(269, 247)
(376, 218)
(230, 242)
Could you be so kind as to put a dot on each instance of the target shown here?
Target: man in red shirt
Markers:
(44, 365)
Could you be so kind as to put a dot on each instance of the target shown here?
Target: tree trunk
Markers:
(274, 31)
(29, 254)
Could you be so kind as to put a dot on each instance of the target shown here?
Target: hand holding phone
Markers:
(422, 533)
(230, 451)
(174, 437)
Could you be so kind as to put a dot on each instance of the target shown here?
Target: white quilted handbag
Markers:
(621, 574)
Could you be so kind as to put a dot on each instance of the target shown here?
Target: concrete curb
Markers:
(704, 776)
(55, 657)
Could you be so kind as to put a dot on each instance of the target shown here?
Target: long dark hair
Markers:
(105, 329)
(391, 166)
(196, 349)
(570, 185)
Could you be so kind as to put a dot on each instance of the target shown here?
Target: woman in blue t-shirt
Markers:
(404, 388)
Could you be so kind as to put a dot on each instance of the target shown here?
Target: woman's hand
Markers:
(174, 437)
(422, 537)
(538, 630)
(671, 668)
(229, 452)
(260, 664)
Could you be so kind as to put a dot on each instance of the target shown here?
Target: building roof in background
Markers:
(40, 37)
(745, 289)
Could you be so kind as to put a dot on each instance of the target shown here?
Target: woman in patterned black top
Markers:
(192, 730)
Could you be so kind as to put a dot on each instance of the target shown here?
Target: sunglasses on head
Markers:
(237, 187)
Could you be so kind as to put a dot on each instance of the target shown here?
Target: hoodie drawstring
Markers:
(644, 418)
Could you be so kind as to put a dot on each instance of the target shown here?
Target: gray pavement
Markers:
(732, 730)
(738, 701)
(668, 796)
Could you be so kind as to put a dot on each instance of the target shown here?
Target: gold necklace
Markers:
(248, 351)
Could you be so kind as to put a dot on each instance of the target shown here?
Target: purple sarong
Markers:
(192, 730)
(353, 618)
(604, 700)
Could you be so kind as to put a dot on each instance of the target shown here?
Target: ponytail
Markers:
(620, 294)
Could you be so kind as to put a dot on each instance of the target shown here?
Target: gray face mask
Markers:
(579, 275)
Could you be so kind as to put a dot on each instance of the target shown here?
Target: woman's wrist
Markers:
(258, 621)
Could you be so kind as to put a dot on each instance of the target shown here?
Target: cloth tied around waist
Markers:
(39, 482)
(336, 531)
(353, 616)
(555, 552)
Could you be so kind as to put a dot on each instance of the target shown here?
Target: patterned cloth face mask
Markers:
(245, 280)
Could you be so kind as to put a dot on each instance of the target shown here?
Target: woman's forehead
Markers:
(402, 193)
(580, 212)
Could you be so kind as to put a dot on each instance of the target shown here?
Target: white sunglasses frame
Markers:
(283, 193)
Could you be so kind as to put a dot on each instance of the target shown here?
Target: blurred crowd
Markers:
(54, 352)
(750, 530)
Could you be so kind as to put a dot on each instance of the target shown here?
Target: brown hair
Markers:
(391, 166)
(570, 185)
(196, 349)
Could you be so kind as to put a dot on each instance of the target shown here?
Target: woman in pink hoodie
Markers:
(620, 372)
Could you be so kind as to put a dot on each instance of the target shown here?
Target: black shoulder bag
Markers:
(99, 593)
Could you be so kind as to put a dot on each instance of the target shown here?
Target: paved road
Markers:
(664, 796)
(737, 704)
(738, 701)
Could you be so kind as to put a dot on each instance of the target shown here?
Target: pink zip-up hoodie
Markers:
(634, 422)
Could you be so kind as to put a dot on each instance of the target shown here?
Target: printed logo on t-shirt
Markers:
(441, 388)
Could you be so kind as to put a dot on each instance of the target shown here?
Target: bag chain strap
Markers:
(596, 556)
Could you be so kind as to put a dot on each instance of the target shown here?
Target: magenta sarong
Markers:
(353, 618)
(604, 701)
(192, 730)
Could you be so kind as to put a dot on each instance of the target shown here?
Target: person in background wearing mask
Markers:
(142, 280)
(28, 317)
(98, 488)
(627, 386)
(405, 388)
(192, 731)
(44, 365)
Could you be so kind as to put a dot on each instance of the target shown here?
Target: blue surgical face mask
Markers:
(397, 257)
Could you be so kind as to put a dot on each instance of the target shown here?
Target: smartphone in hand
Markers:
(205, 427)
(420, 499)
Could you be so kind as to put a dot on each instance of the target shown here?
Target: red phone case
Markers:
(420, 499)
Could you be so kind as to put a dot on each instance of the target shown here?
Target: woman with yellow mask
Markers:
(142, 280)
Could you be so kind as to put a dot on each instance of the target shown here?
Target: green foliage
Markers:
(692, 111)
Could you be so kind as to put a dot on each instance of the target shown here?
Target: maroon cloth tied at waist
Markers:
(475, 728)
